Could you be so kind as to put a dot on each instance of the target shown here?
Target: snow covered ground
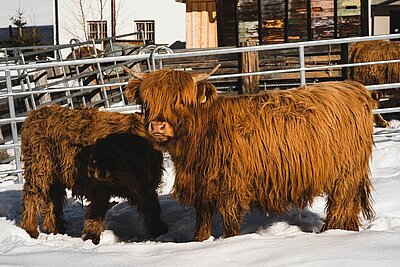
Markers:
(289, 240)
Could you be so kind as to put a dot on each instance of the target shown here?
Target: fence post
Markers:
(344, 59)
(66, 83)
(302, 65)
(103, 89)
(14, 129)
(248, 64)
(116, 68)
(21, 60)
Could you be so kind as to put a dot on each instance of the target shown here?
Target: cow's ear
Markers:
(131, 92)
(206, 92)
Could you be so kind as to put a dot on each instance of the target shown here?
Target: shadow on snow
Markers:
(125, 222)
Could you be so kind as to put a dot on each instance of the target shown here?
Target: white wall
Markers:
(169, 17)
(36, 12)
(381, 25)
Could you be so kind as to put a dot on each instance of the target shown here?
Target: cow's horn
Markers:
(137, 75)
(198, 77)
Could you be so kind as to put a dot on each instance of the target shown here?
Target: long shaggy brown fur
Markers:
(377, 73)
(271, 150)
(95, 153)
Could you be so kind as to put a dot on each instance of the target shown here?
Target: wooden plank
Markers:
(227, 23)
(250, 84)
(297, 20)
(203, 25)
(349, 8)
(349, 26)
(267, 60)
(196, 24)
(198, 1)
(247, 20)
(189, 26)
(212, 32)
(322, 14)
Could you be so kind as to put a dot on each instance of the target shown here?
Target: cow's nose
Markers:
(157, 126)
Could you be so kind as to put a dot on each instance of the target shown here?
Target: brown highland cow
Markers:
(376, 73)
(96, 154)
(273, 150)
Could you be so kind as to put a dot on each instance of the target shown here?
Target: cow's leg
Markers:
(380, 121)
(232, 217)
(150, 210)
(343, 205)
(95, 213)
(53, 209)
(38, 174)
(204, 212)
(32, 203)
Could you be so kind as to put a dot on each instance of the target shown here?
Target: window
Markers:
(97, 29)
(148, 28)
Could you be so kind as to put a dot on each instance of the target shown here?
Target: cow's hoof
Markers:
(199, 237)
(33, 233)
(95, 238)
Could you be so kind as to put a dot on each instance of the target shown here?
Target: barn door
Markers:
(201, 27)
(395, 21)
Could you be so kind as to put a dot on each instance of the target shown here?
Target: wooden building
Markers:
(211, 23)
(385, 16)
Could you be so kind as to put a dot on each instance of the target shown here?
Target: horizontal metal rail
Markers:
(209, 52)
(152, 55)
(42, 49)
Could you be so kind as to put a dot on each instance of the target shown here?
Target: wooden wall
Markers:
(247, 14)
(212, 23)
(272, 21)
(322, 22)
(227, 26)
(201, 24)
(297, 21)
(349, 18)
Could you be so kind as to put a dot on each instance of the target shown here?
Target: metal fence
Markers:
(68, 79)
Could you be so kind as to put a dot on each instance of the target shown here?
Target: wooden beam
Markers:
(309, 29)
(335, 19)
(364, 18)
(286, 22)
(249, 63)
(260, 37)
(386, 3)
(236, 23)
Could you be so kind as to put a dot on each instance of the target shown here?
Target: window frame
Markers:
(97, 29)
(149, 34)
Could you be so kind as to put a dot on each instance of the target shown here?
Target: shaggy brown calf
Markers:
(377, 73)
(97, 154)
(271, 150)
